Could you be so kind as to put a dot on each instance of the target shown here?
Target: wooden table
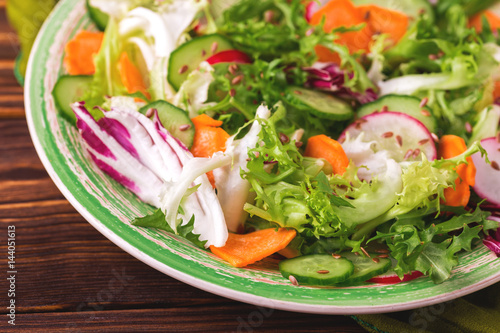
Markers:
(70, 278)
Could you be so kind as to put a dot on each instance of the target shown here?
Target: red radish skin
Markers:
(394, 278)
(487, 184)
(403, 135)
(229, 56)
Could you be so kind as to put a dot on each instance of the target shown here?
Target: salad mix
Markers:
(352, 137)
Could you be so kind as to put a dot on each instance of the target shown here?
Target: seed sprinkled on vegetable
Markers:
(323, 271)
(435, 137)
(150, 112)
(408, 154)
(237, 79)
(423, 142)
(232, 92)
(299, 144)
(425, 113)
(383, 256)
(376, 260)
(336, 256)
(203, 53)
(495, 165)
(385, 108)
(233, 68)
(365, 252)
(433, 56)
(399, 140)
(424, 102)
(309, 31)
(184, 127)
(293, 280)
(416, 152)
(381, 251)
(214, 47)
(387, 135)
(468, 127)
(297, 92)
(284, 138)
(183, 69)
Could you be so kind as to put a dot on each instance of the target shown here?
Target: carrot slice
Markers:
(208, 139)
(342, 13)
(80, 52)
(385, 21)
(476, 21)
(131, 76)
(243, 250)
(321, 146)
(451, 146)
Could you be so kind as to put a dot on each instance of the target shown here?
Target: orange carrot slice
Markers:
(451, 146)
(131, 76)
(322, 146)
(80, 52)
(208, 139)
(476, 21)
(342, 13)
(385, 21)
(243, 250)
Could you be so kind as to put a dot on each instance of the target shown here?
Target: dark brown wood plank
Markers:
(245, 318)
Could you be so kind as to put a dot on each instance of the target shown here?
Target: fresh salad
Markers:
(355, 140)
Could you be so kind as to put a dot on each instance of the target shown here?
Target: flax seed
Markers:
(385, 108)
(424, 102)
(203, 53)
(425, 113)
(323, 271)
(293, 280)
(408, 154)
(214, 47)
(150, 112)
(495, 165)
(376, 260)
(299, 144)
(336, 256)
(387, 135)
(364, 252)
(434, 137)
(284, 138)
(237, 79)
(232, 92)
(423, 142)
(184, 127)
(416, 152)
(399, 140)
(468, 127)
(183, 69)
(383, 256)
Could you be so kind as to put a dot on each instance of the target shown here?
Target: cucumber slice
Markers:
(189, 55)
(365, 268)
(317, 269)
(320, 104)
(97, 16)
(409, 105)
(70, 89)
(175, 120)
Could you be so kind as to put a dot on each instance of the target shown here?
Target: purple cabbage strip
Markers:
(331, 78)
(492, 241)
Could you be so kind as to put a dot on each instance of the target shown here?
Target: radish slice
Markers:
(229, 56)
(392, 278)
(487, 184)
(312, 7)
(403, 137)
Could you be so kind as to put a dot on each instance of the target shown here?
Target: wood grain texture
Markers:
(72, 279)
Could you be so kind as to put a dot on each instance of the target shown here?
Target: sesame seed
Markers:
(468, 127)
(183, 69)
(424, 102)
(232, 92)
(423, 142)
(425, 113)
(150, 112)
(387, 135)
(399, 140)
(495, 165)
(214, 47)
(385, 108)
(434, 137)
(408, 154)
(365, 252)
(376, 260)
(293, 280)
(184, 127)
(237, 79)
(323, 271)
(284, 138)
(336, 256)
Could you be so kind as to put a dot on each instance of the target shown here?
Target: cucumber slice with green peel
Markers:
(97, 16)
(365, 267)
(409, 105)
(189, 55)
(317, 269)
(320, 104)
(67, 90)
(175, 120)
